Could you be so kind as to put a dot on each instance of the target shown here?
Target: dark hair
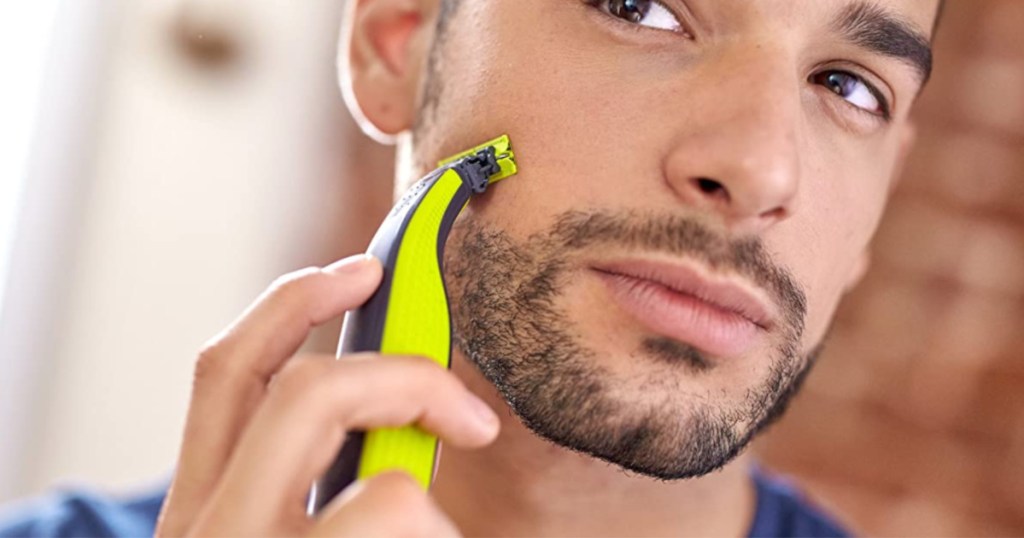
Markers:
(444, 15)
(434, 83)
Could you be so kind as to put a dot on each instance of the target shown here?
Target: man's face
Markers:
(699, 182)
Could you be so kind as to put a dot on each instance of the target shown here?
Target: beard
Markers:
(508, 323)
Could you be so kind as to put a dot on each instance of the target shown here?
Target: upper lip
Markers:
(726, 292)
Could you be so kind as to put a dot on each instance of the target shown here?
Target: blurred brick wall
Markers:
(913, 423)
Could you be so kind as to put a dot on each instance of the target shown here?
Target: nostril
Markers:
(711, 187)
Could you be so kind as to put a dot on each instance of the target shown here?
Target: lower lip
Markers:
(682, 317)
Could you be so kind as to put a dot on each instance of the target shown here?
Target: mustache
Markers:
(681, 236)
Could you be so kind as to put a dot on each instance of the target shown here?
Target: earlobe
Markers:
(382, 52)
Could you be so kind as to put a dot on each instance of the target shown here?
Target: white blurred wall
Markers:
(210, 173)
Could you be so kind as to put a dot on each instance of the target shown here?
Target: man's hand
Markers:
(262, 425)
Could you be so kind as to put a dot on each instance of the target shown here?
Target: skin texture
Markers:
(642, 408)
(612, 119)
(725, 130)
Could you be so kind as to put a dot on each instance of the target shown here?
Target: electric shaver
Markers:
(409, 313)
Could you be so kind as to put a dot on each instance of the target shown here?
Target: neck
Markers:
(524, 485)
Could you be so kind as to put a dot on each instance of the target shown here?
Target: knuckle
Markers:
(298, 379)
(209, 364)
(289, 280)
(294, 285)
(301, 385)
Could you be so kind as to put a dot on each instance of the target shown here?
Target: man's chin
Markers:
(510, 321)
(645, 444)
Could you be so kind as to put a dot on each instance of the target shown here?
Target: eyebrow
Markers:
(867, 25)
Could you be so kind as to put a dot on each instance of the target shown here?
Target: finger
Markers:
(279, 321)
(390, 504)
(298, 429)
(233, 370)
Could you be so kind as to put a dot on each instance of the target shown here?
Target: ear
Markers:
(383, 48)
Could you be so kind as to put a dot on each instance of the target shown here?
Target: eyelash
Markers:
(885, 108)
(597, 6)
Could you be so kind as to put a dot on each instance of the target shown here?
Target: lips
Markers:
(717, 315)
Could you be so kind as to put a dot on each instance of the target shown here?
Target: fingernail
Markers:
(352, 264)
(484, 413)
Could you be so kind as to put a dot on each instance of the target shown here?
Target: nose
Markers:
(739, 157)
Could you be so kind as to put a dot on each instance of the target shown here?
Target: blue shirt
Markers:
(781, 511)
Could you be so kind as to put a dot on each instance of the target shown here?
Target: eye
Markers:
(647, 13)
(855, 90)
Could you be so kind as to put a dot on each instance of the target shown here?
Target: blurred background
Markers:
(163, 161)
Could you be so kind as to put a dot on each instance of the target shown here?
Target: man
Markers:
(699, 181)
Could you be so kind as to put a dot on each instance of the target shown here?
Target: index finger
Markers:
(279, 321)
(234, 369)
